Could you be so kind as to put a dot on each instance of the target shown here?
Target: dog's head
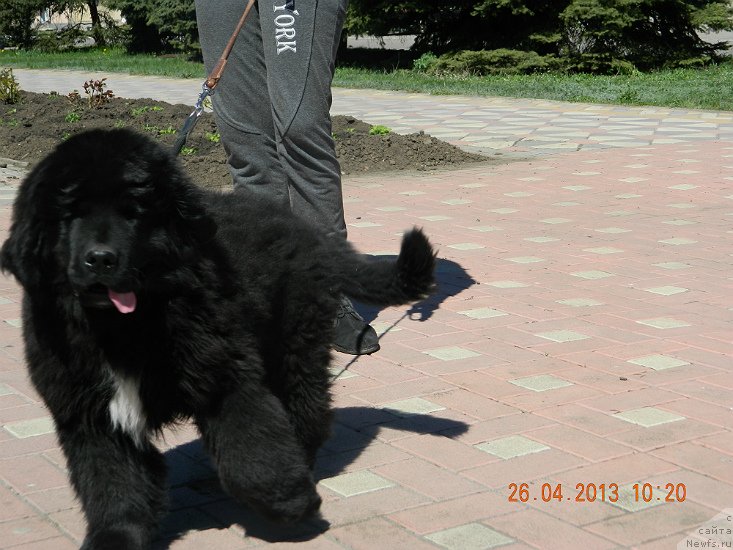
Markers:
(105, 214)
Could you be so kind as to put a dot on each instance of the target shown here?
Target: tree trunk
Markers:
(97, 33)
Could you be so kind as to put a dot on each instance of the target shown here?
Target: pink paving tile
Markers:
(712, 343)
(472, 404)
(711, 393)
(532, 401)
(368, 505)
(383, 371)
(440, 423)
(377, 533)
(320, 543)
(601, 381)
(428, 479)
(646, 439)
(653, 523)
(445, 452)
(663, 543)
(401, 354)
(376, 454)
(678, 374)
(508, 351)
(722, 441)
(71, 522)
(699, 459)
(580, 443)
(12, 506)
(403, 390)
(57, 543)
(634, 399)
(439, 368)
(437, 516)
(524, 469)
(25, 531)
(621, 470)
(653, 346)
(349, 384)
(32, 473)
(482, 383)
(214, 539)
(53, 500)
(533, 527)
(703, 411)
(721, 379)
(437, 328)
(573, 511)
(700, 488)
(495, 428)
(601, 362)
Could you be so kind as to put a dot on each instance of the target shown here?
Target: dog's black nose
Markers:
(101, 260)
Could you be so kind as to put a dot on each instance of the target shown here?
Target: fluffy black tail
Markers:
(389, 282)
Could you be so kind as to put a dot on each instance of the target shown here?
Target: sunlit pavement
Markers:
(569, 386)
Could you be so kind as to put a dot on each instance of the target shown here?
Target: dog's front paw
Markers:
(301, 503)
(285, 499)
(115, 539)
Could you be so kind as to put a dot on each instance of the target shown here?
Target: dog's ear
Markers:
(193, 219)
(183, 200)
(28, 250)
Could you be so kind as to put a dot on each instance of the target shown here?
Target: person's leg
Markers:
(300, 42)
(273, 111)
(241, 100)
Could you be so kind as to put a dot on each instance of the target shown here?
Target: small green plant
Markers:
(379, 130)
(185, 151)
(147, 108)
(9, 121)
(151, 128)
(423, 63)
(9, 87)
(66, 136)
(213, 137)
(96, 93)
(72, 117)
(167, 131)
(120, 124)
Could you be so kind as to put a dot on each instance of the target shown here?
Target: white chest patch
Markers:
(126, 408)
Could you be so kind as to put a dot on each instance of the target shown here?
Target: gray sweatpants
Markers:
(272, 105)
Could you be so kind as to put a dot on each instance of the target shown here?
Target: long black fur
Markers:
(232, 328)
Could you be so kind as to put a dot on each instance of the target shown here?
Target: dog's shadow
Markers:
(198, 503)
(450, 280)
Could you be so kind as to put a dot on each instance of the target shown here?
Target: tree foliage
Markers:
(16, 20)
(159, 25)
(588, 35)
(591, 33)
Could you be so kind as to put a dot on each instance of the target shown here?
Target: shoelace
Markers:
(345, 308)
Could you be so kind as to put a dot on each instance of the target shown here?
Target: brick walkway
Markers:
(581, 335)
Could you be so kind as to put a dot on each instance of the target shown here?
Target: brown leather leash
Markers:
(210, 83)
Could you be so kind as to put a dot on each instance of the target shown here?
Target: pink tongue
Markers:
(125, 302)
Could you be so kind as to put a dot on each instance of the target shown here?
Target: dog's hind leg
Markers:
(121, 486)
(259, 459)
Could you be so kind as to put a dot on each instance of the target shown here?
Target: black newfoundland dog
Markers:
(149, 301)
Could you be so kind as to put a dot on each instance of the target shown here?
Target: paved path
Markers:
(580, 339)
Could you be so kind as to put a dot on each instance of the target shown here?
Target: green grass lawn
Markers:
(710, 88)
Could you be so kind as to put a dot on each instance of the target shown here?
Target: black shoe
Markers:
(351, 334)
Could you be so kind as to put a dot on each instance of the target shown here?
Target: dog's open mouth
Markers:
(100, 296)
